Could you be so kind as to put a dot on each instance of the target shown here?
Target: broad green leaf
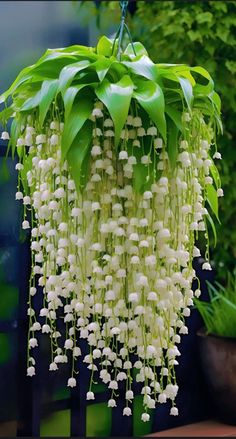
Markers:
(102, 66)
(212, 199)
(80, 112)
(32, 102)
(47, 94)
(151, 98)
(138, 47)
(78, 153)
(70, 94)
(104, 46)
(199, 88)
(142, 66)
(187, 91)
(175, 115)
(172, 141)
(116, 98)
(68, 73)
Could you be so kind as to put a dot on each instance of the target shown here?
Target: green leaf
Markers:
(47, 94)
(142, 66)
(70, 95)
(102, 66)
(116, 97)
(176, 116)
(68, 73)
(104, 46)
(14, 134)
(216, 176)
(209, 218)
(151, 98)
(139, 176)
(187, 91)
(212, 199)
(172, 141)
(80, 112)
(138, 47)
(31, 103)
(78, 153)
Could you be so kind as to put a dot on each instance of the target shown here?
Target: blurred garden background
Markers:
(192, 32)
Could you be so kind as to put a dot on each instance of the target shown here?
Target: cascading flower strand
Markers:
(114, 208)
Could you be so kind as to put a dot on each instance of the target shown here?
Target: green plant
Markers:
(203, 33)
(116, 170)
(219, 314)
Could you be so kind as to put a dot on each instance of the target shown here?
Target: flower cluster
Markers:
(114, 260)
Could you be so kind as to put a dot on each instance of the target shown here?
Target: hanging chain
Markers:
(120, 32)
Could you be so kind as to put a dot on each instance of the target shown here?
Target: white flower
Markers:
(5, 135)
(36, 326)
(25, 225)
(135, 260)
(158, 143)
(220, 192)
(90, 395)
(76, 351)
(41, 138)
(129, 394)
(174, 411)
(54, 140)
(113, 385)
(142, 281)
(19, 196)
(96, 150)
(121, 376)
(141, 132)
(20, 142)
(145, 160)
(197, 293)
(54, 125)
(147, 195)
(136, 143)
(217, 155)
(19, 167)
(108, 123)
(33, 342)
(137, 122)
(206, 266)
(162, 398)
(71, 382)
(152, 131)
(69, 344)
(111, 403)
(123, 155)
(145, 417)
(30, 371)
(46, 328)
(127, 411)
(97, 112)
(133, 297)
(53, 366)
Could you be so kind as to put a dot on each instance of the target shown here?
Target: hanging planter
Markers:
(117, 180)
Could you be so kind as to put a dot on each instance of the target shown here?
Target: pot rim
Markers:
(202, 332)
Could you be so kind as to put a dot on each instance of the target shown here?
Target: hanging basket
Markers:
(117, 180)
